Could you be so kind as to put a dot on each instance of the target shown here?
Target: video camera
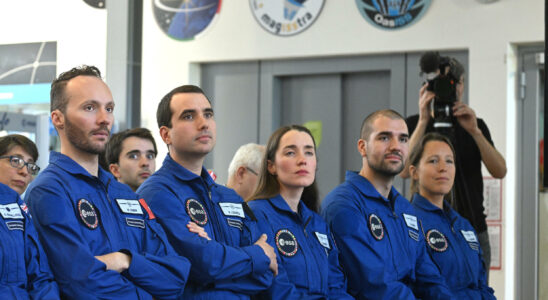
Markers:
(442, 81)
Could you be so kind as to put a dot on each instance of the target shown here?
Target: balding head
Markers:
(367, 124)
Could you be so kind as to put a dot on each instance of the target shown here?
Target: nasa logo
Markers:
(286, 17)
(196, 211)
(286, 243)
(392, 14)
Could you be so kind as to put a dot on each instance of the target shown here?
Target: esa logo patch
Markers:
(88, 214)
(392, 14)
(286, 243)
(436, 240)
(376, 227)
(196, 211)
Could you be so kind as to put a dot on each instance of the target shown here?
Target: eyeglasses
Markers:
(18, 163)
(252, 171)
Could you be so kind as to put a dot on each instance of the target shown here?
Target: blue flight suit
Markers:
(25, 273)
(79, 216)
(306, 250)
(382, 247)
(228, 266)
(454, 247)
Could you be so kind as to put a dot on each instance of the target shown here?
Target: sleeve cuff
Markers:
(136, 261)
(260, 262)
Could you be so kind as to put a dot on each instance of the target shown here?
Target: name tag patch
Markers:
(286, 242)
(135, 222)
(436, 240)
(232, 209)
(469, 236)
(411, 221)
(15, 225)
(88, 214)
(196, 211)
(11, 211)
(376, 227)
(235, 223)
(130, 206)
(324, 241)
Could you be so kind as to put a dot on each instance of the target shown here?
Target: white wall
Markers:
(488, 31)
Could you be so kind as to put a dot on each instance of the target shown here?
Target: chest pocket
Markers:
(132, 213)
(132, 219)
(235, 223)
(288, 243)
(12, 250)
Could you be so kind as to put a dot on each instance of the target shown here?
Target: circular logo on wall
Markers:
(376, 227)
(392, 14)
(286, 242)
(88, 214)
(184, 19)
(96, 3)
(286, 17)
(436, 240)
(196, 211)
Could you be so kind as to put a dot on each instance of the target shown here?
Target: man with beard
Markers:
(131, 156)
(382, 247)
(101, 240)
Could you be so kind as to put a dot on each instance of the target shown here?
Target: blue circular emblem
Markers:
(185, 20)
(392, 14)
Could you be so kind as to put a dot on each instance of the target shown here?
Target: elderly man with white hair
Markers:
(243, 170)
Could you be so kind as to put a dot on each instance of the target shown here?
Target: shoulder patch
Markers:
(196, 211)
(436, 240)
(376, 227)
(286, 242)
(88, 214)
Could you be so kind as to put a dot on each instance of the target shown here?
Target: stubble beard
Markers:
(385, 169)
(81, 140)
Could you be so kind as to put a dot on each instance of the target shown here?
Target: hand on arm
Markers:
(193, 227)
(493, 160)
(115, 261)
(268, 251)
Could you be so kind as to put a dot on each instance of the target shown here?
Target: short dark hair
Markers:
(114, 145)
(268, 185)
(9, 141)
(367, 128)
(58, 97)
(164, 113)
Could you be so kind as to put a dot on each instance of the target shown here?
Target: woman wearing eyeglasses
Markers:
(24, 272)
(18, 156)
(285, 203)
(451, 239)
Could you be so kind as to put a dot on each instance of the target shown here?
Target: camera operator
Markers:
(441, 109)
